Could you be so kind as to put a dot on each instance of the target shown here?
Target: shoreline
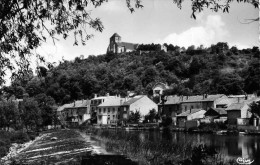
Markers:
(227, 131)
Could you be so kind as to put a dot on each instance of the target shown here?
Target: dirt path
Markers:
(69, 147)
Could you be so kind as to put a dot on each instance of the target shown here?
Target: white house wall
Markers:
(143, 105)
(245, 112)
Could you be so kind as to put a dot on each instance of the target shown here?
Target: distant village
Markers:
(185, 111)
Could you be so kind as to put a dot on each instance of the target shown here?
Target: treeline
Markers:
(192, 71)
(31, 113)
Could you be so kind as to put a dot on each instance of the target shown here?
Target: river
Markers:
(229, 146)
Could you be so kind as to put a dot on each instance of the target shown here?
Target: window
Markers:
(113, 110)
(104, 110)
(192, 107)
(108, 110)
(99, 110)
(113, 116)
(157, 91)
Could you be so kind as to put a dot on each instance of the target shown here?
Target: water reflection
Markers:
(231, 146)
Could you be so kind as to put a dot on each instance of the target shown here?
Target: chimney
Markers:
(95, 96)
(107, 94)
(74, 103)
(246, 97)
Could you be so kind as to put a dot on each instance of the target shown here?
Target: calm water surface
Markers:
(230, 146)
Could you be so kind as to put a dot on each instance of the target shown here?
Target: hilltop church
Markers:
(116, 46)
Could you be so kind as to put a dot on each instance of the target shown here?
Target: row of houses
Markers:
(234, 110)
(106, 109)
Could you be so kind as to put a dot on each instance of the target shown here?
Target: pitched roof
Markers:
(200, 98)
(165, 86)
(78, 103)
(235, 106)
(103, 97)
(220, 111)
(61, 108)
(112, 102)
(127, 45)
(133, 100)
(172, 100)
(115, 35)
(189, 112)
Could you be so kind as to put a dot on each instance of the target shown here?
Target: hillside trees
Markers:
(9, 114)
(252, 81)
(31, 114)
(26, 24)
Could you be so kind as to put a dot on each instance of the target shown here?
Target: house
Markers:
(177, 104)
(108, 111)
(170, 108)
(191, 115)
(190, 118)
(238, 114)
(116, 46)
(215, 115)
(140, 103)
(158, 88)
(202, 101)
(75, 113)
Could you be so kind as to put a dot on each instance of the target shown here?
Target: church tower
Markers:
(115, 38)
(113, 45)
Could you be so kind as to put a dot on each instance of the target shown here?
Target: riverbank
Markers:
(58, 146)
(211, 128)
(144, 149)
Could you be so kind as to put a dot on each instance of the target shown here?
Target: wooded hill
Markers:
(214, 70)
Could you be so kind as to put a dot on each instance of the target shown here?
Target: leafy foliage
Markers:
(152, 116)
(186, 74)
(134, 117)
(26, 24)
(255, 108)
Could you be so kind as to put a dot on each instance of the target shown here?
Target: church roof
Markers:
(128, 45)
(115, 35)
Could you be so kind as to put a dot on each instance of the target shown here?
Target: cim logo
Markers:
(244, 160)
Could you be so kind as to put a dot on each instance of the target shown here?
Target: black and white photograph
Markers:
(129, 82)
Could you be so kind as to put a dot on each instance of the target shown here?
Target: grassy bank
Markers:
(161, 153)
(54, 147)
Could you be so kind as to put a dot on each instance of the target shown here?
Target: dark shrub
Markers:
(19, 137)
(3, 151)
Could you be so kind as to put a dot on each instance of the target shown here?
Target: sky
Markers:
(160, 21)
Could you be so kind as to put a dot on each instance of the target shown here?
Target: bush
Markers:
(19, 137)
(3, 151)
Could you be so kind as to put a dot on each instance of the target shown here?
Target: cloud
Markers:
(209, 31)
